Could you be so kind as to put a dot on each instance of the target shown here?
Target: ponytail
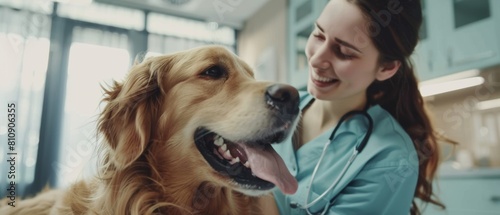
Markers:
(401, 97)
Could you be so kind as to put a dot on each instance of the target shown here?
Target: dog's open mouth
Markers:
(253, 165)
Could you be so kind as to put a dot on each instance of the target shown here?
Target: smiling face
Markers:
(343, 61)
(200, 116)
(232, 119)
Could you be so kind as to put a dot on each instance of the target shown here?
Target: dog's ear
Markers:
(132, 108)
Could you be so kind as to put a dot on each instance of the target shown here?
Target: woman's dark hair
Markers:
(393, 26)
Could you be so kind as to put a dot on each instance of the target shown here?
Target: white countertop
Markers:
(448, 172)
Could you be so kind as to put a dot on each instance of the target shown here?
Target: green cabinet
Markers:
(426, 58)
(458, 35)
(301, 17)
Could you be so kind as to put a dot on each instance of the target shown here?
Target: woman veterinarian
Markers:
(381, 157)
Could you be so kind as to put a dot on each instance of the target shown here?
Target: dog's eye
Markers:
(214, 72)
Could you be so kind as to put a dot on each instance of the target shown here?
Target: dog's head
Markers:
(199, 115)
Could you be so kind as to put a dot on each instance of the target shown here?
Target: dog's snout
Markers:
(284, 98)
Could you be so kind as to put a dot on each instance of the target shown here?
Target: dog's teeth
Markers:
(247, 164)
(218, 141)
(236, 160)
(228, 154)
(223, 147)
(218, 154)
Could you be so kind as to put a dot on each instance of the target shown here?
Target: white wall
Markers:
(264, 38)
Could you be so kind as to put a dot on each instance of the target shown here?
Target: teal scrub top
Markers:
(381, 180)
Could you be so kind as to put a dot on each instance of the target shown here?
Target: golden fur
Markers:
(150, 163)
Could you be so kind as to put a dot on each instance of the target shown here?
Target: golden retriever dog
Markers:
(186, 133)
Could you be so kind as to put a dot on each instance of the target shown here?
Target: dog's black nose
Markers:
(284, 98)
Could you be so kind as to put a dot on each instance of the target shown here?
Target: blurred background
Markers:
(55, 55)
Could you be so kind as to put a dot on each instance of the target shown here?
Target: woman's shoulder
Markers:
(386, 126)
(389, 144)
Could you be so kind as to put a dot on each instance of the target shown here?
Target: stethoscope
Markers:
(359, 147)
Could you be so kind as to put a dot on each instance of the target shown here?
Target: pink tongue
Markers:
(268, 165)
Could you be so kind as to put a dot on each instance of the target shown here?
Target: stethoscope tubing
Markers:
(342, 173)
(355, 153)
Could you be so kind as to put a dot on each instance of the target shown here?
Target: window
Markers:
(104, 14)
(89, 66)
(24, 54)
(170, 34)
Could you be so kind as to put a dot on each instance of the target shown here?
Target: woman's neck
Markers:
(321, 115)
(330, 111)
